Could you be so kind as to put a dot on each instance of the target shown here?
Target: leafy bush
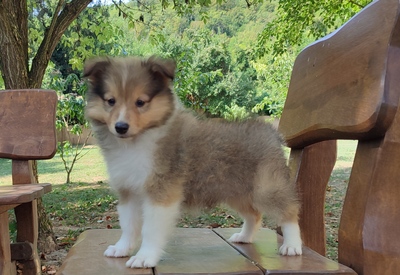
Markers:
(70, 118)
(208, 79)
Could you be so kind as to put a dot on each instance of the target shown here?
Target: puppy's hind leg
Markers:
(278, 199)
(292, 244)
(252, 222)
(130, 219)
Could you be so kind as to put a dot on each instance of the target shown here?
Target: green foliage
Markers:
(219, 71)
(276, 76)
(70, 118)
(208, 79)
(93, 33)
(1, 83)
(296, 20)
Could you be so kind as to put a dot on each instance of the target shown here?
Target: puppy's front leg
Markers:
(291, 239)
(130, 219)
(158, 223)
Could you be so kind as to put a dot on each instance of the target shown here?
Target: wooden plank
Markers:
(86, 256)
(22, 251)
(311, 169)
(6, 267)
(341, 86)
(22, 172)
(369, 227)
(4, 208)
(28, 124)
(22, 193)
(201, 251)
(264, 252)
(27, 231)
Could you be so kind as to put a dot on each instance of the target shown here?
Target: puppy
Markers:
(160, 158)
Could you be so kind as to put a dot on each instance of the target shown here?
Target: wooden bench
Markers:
(344, 86)
(27, 132)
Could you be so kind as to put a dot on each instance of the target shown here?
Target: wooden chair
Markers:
(344, 86)
(347, 86)
(27, 132)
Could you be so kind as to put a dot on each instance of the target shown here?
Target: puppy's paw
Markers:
(240, 238)
(291, 239)
(290, 249)
(116, 251)
(142, 261)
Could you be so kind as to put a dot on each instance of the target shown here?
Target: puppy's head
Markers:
(129, 95)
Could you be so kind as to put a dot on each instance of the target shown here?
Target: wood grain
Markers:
(22, 172)
(27, 131)
(368, 235)
(6, 267)
(17, 194)
(347, 85)
(27, 123)
(264, 253)
(86, 256)
(201, 251)
(22, 251)
(311, 169)
(339, 88)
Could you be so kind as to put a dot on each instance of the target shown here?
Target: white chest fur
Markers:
(130, 162)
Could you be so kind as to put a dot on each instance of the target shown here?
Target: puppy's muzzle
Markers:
(121, 127)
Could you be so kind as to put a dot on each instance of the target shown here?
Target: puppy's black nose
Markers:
(121, 127)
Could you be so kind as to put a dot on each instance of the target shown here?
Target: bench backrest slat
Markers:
(27, 131)
(342, 86)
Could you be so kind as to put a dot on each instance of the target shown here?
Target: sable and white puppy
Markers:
(160, 158)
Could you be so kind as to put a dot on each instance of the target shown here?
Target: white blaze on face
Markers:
(120, 118)
(122, 114)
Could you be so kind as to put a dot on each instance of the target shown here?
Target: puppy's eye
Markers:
(111, 101)
(139, 103)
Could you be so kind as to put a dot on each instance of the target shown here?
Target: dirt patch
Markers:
(66, 236)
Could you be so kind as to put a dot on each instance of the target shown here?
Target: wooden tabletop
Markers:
(199, 251)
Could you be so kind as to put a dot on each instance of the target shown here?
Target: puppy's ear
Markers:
(95, 69)
(161, 67)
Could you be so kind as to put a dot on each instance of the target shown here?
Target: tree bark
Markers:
(15, 69)
(14, 43)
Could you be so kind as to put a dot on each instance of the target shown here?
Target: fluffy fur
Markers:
(161, 157)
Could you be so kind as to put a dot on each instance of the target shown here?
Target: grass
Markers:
(90, 168)
(89, 203)
(336, 191)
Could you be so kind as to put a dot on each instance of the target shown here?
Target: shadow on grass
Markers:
(44, 166)
(335, 195)
(79, 204)
(55, 165)
(340, 175)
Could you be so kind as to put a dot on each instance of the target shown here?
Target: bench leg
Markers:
(369, 228)
(27, 216)
(6, 266)
(312, 166)
(27, 231)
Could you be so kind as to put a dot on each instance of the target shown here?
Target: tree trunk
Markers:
(14, 43)
(15, 69)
